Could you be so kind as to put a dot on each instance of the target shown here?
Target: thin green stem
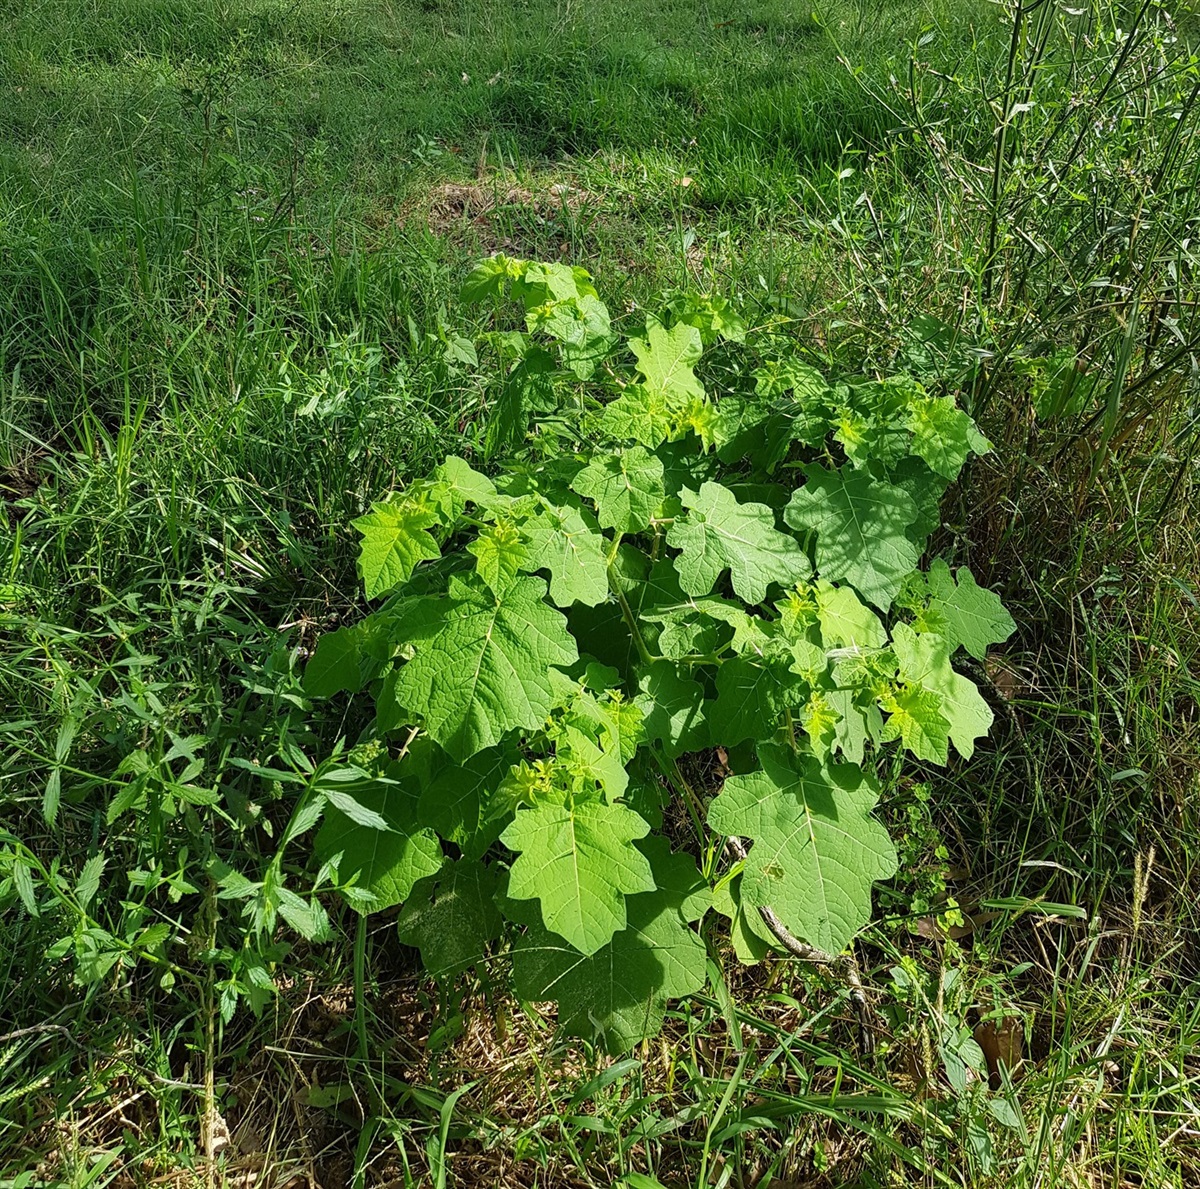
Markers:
(360, 987)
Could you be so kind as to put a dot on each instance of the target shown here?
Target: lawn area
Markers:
(235, 314)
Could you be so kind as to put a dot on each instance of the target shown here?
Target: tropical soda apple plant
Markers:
(652, 567)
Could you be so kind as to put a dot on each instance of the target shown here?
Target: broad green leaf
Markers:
(555, 281)
(579, 861)
(459, 802)
(561, 541)
(817, 849)
(499, 555)
(943, 435)
(490, 277)
(457, 484)
(347, 659)
(480, 666)
(778, 376)
(925, 660)
(643, 416)
(583, 330)
(974, 616)
(666, 358)
(677, 878)
(925, 489)
(395, 540)
(528, 385)
(451, 916)
(718, 533)
(738, 427)
(620, 992)
(860, 525)
(685, 633)
(673, 706)
(810, 662)
(845, 621)
(751, 698)
(692, 624)
(612, 996)
(627, 488)
(385, 864)
(915, 718)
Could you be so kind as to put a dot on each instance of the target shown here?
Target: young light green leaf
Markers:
(579, 861)
(666, 358)
(818, 717)
(943, 435)
(915, 718)
(719, 533)
(479, 670)
(925, 661)
(593, 765)
(817, 849)
(451, 916)
(561, 541)
(499, 555)
(860, 525)
(626, 487)
(385, 864)
(845, 621)
(974, 616)
(395, 540)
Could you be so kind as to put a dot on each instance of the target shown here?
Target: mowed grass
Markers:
(231, 239)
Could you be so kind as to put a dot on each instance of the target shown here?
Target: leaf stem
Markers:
(627, 612)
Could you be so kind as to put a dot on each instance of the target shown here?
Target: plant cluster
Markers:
(663, 561)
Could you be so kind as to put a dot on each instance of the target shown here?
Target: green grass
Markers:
(229, 260)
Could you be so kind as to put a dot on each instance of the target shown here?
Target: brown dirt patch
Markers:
(453, 203)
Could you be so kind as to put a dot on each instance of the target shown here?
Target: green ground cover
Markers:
(232, 240)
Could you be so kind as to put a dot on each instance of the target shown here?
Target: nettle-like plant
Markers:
(654, 570)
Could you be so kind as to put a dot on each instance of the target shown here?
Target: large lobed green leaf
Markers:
(579, 861)
(481, 661)
(817, 850)
(620, 991)
(718, 533)
(383, 863)
(861, 526)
